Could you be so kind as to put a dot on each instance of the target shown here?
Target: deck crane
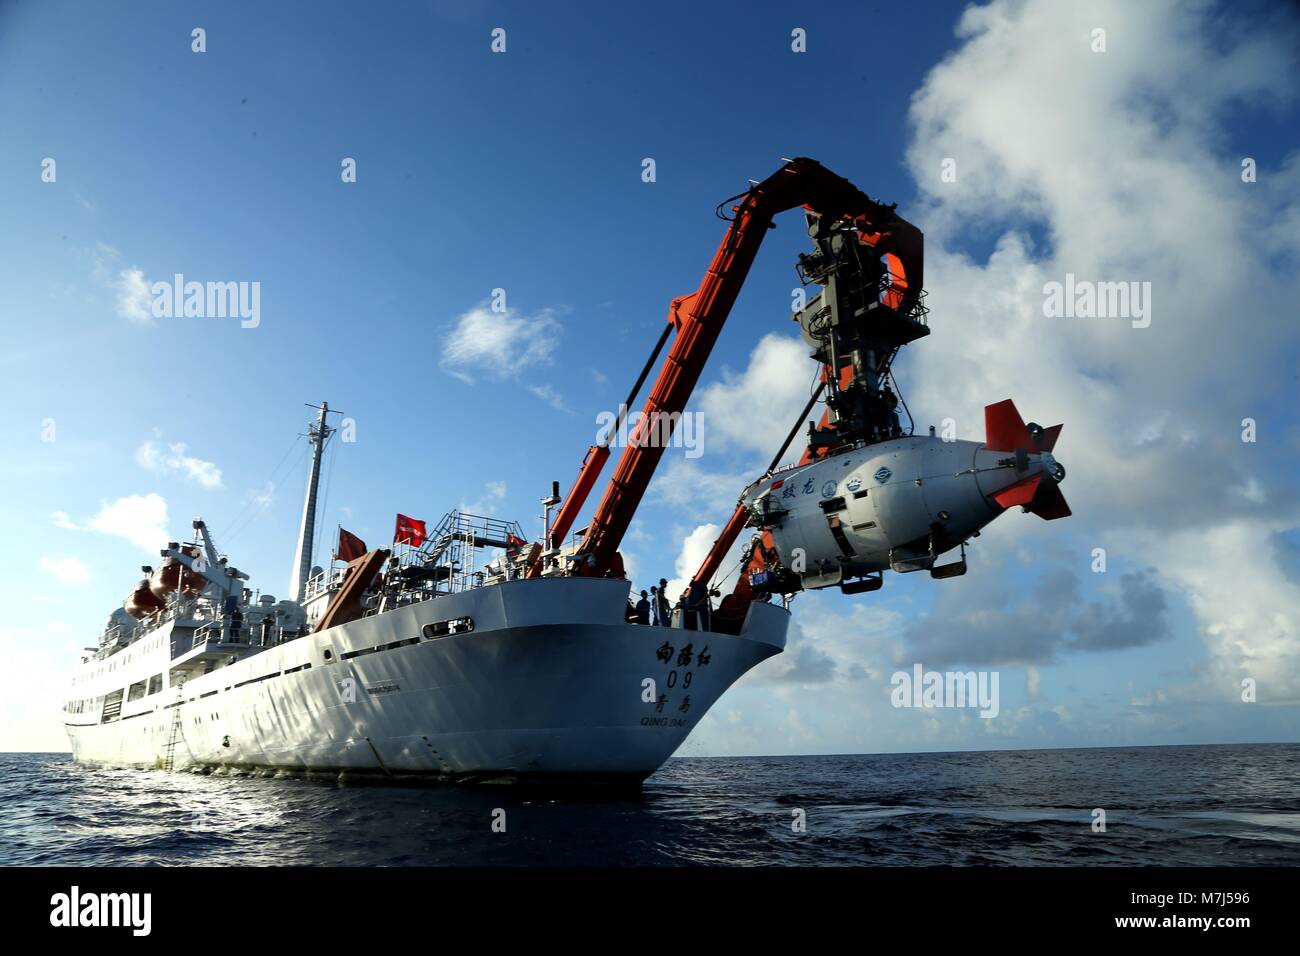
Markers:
(868, 264)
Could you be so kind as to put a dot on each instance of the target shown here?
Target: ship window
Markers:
(155, 683)
(459, 625)
(137, 691)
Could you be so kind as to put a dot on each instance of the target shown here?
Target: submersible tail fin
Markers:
(1005, 430)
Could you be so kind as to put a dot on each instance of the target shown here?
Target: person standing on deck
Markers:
(665, 606)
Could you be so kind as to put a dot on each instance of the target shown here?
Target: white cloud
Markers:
(67, 569)
(263, 498)
(697, 493)
(494, 492)
(1247, 608)
(1121, 160)
(695, 547)
(134, 302)
(61, 520)
(499, 345)
(779, 378)
(133, 298)
(140, 519)
(550, 396)
(152, 457)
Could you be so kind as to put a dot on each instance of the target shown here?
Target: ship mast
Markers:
(317, 433)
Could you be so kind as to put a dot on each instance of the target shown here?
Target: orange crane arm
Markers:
(698, 319)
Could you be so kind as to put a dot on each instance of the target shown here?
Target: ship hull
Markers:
(550, 685)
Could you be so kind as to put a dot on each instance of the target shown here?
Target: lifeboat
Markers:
(142, 602)
(173, 576)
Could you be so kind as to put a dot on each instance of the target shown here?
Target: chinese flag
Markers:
(409, 531)
(350, 546)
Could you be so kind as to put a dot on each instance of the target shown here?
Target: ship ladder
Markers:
(439, 547)
(169, 752)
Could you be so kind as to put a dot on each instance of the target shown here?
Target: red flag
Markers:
(514, 542)
(409, 531)
(350, 546)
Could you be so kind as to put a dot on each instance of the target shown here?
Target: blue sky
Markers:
(522, 171)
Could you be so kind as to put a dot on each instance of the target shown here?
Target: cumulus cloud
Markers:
(174, 459)
(778, 380)
(695, 548)
(140, 519)
(1112, 167)
(499, 345)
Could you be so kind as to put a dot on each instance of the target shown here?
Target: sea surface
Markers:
(1189, 806)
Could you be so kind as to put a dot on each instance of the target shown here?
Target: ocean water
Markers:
(1189, 806)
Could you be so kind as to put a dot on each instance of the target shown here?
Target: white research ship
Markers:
(477, 655)
(443, 661)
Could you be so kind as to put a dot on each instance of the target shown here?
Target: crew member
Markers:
(695, 606)
(665, 606)
(643, 610)
(703, 606)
